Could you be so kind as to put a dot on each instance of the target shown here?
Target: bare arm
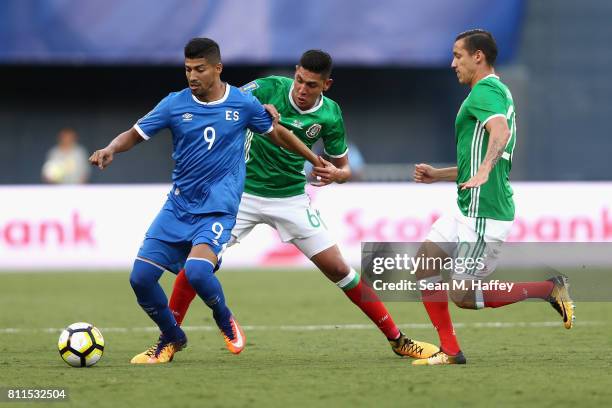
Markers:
(122, 143)
(336, 171)
(284, 138)
(424, 173)
(498, 138)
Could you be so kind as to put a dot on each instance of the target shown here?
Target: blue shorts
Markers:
(174, 232)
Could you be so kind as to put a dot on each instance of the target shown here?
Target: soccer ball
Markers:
(81, 345)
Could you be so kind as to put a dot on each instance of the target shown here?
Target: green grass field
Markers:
(299, 352)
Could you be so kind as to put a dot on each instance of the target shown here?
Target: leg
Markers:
(151, 297)
(199, 272)
(435, 299)
(507, 294)
(182, 296)
(182, 292)
(553, 290)
(485, 250)
(208, 245)
(332, 264)
(144, 280)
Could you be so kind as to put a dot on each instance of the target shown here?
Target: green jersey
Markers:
(488, 99)
(276, 172)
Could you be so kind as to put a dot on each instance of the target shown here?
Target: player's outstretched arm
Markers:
(424, 173)
(124, 142)
(282, 137)
(336, 171)
(499, 134)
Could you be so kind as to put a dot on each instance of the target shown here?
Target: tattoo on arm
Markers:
(494, 151)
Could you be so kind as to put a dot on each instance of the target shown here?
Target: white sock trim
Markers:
(200, 259)
(479, 299)
(151, 263)
(347, 279)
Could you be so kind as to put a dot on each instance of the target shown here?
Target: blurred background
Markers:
(97, 66)
(76, 73)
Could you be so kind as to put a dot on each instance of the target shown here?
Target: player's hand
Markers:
(424, 173)
(476, 181)
(325, 174)
(271, 109)
(101, 158)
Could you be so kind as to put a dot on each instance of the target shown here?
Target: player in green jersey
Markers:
(274, 190)
(485, 134)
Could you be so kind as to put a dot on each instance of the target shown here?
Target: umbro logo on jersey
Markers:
(187, 117)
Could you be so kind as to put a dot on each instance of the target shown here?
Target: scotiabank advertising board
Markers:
(102, 227)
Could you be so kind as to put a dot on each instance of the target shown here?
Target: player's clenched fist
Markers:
(101, 158)
(424, 173)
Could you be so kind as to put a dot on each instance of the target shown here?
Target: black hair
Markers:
(317, 61)
(203, 48)
(482, 40)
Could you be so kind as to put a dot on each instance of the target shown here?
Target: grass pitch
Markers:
(301, 349)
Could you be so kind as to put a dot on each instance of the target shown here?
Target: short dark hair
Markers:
(482, 40)
(203, 48)
(317, 61)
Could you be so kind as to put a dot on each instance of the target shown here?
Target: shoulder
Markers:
(240, 94)
(276, 81)
(269, 82)
(243, 98)
(487, 90)
(174, 98)
(332, 107)
(489, 85)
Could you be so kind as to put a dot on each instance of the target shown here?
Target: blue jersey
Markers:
(208, 141)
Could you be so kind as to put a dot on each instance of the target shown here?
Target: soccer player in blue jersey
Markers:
(208, 122)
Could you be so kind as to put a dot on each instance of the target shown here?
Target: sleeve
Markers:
(159, 118)
(260, 120)
(261, 88)
(486, 102)
(334, 140)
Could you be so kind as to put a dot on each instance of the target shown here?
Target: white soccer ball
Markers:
(81, 345)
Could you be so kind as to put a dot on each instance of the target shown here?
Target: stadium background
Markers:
(98, 65)
(71, 63)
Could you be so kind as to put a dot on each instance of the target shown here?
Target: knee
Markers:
(144, 275)
(138, 280)
(461, 299)
(196, 273)
(192, 276)
(337, 271)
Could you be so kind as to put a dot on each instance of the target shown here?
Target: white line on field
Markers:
(317, 327)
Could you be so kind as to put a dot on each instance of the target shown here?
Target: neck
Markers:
(214, 93)
(481, 74)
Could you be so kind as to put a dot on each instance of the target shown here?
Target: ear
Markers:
(327, 84)
(479, 56)
(219, 68)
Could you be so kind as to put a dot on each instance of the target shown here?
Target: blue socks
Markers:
(151, 297)
(200, 275)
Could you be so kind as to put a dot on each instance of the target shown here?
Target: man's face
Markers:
(66, 139)
(463, 63)
(201, 75)
(307, 87)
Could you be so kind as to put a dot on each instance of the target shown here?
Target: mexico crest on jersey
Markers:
(313, 131)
